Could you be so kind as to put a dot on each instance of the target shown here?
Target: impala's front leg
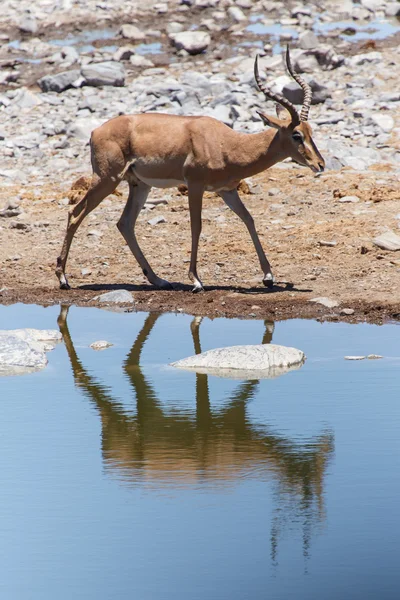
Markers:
(195, 204)
(234, 202)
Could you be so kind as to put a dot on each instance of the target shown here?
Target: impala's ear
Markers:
(282, 113)
(271, 121)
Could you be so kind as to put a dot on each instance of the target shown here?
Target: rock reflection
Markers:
(205, 446)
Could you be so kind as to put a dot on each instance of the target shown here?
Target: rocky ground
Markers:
(66, 67)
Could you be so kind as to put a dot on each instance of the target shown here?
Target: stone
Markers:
(27, 99)
(293, 92)
(137, 60)
(28, 24)
(383, 121)
(392, 9)
(347, 311)
(59, 82)
(157, 221)
(194, 42)
(236, 14)
(355, 357)
(245, 362)
(371, 5)
(101, 345)
(123, 53)
(328, 302)
(327, 243)
(82, 128)
(104, 73)
(132, 32)
(305, 63)
(116, 297)
(349, 199)
(388, 241)
(307, 40)
(24, 350)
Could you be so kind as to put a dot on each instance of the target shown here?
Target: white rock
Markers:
(101, 345)
(355, 357)
(132, 32)
(116, 297)
(245, 362)
(24, 350)
(104, 73)
(371, 5)
(193, 42)
(236, 14)
(388, 241)
(328, 302)
(82, 128)
(384, 121)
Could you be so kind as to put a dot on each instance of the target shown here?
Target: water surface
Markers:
(122, 477)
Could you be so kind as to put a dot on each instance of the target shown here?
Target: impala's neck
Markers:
(257, 152)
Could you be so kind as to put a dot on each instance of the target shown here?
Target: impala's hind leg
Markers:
(98, 190)
(234, 202)
(138, 193)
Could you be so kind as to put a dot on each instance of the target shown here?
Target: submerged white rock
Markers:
(262, 361)
(24, 350)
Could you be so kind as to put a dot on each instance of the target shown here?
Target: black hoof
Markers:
(197, 289)
(268, 282)
(65, 286)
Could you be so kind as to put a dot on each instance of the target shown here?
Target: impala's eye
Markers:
(297, 137)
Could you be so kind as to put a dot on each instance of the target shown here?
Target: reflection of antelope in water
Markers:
(219, 445)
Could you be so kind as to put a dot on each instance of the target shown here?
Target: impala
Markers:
(165, 151)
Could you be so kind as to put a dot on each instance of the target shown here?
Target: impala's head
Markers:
(294, 130)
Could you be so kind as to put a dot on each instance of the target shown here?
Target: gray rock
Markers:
(82, 128)
(60, 82)
(236, 14)
(294, 93)
(28, 24)
(384, 121)
(328, 302)
(305, 63)
(371, 5)
(245, 362)
(24, 350)
(101, 345)
(132, 32)
(194, 42)
(123, 53)
(307, 40)
(116, 297)
(349, 199)
(392, 9)
(388, 241)
(140, 61)
(104, 73)
(157, 221)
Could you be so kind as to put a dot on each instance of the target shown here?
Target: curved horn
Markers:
(304, 86)
(275, 96)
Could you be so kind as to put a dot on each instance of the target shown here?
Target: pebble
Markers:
(349, 199)
(101, 345)
(328, 302)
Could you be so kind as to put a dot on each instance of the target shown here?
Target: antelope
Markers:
(160, 150)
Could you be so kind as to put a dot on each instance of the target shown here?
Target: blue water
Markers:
(122, 477)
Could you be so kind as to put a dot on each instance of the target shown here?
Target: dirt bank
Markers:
(318, 246)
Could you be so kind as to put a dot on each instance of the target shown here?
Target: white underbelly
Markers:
(159, 183)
